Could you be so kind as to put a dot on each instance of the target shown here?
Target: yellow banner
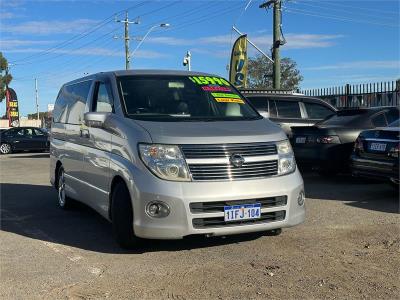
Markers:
(238, 66)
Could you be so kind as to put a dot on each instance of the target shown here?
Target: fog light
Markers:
(157, 209)
(301, 198)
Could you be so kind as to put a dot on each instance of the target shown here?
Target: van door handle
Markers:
(85, 133)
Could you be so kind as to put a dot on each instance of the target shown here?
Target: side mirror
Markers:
(95, 119)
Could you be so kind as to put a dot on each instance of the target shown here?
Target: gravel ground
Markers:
(348, 248)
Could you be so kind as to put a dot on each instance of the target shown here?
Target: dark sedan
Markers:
(376, 153)
(328, 144)
(289, 110)
(23, 139)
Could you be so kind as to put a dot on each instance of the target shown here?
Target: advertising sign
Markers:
(12, 108)
(238, 65)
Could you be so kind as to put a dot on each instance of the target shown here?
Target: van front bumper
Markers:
(183, 221)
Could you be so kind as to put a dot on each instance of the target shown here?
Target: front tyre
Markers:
(122, 217)
(5, 148)
(63, 201)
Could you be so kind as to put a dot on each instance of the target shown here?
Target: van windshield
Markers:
(183, 98)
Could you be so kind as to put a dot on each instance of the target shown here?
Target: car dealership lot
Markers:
(349, 247)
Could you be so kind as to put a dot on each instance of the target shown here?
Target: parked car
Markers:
(166, 154)
(23, 139)
(289, 110)
(329, 144)
(376, 153)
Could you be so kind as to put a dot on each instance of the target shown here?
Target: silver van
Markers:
(167, 154)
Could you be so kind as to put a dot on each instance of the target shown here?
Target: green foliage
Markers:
(42, 115)
(5, 79)
(260, 72)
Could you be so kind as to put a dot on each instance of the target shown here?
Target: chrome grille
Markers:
(226, 150)
(226, 171)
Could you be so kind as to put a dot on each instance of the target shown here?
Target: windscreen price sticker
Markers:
(206, 80)
(211, 88)
(224, 95)
(229, 100)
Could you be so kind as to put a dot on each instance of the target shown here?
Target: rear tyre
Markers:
(122, 217)
(64, 202)
(5, 148)
(274, 232)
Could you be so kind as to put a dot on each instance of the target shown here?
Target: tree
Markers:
(5, 79)
(260, 73)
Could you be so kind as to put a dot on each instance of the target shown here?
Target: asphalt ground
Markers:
(348, 248)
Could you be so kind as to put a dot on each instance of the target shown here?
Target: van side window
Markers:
(317, 111)
(60, 107)
(102, 101)
(272, 109)
(288, 109)
(77, 95)
(260, 103)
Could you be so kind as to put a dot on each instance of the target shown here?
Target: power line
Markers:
(101, 24)
(70, 63)
(66, 53)
(81, 35)
(203, 18)
(335, 17)
(171, 18)
(159, 9)
(346, 11)
(374, 10)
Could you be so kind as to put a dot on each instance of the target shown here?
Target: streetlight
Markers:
(162, 25)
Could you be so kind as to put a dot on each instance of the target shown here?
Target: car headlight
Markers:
(164, 161)
(286, 163)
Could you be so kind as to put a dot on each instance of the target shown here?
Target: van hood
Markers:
(214, 132)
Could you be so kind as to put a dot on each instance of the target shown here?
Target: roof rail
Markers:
(266, 91)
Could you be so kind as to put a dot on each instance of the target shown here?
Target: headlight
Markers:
(287, 163)
(164, 161)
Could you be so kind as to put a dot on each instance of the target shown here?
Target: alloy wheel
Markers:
(61, 189)
(5, 148)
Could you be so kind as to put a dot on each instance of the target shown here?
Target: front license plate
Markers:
(378, 146)
(242, 212)
(300, 140)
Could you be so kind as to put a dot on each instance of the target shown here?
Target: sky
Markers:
(332, 42)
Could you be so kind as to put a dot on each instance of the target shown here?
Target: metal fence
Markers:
(360, 95)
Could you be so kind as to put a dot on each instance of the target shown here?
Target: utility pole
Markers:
(37, 99)
(127, 38)
(187, 61)
(277, 42)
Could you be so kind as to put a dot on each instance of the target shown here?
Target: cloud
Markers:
(6, 15)
(49, 27)
(12, 44)
(215, 53)
(171, 41)
(12, 3)
(294, 41)
(92, 51)
(299, 41)
(373, 64)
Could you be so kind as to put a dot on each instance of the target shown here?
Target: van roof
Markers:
(140, 72)
(159, 72)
